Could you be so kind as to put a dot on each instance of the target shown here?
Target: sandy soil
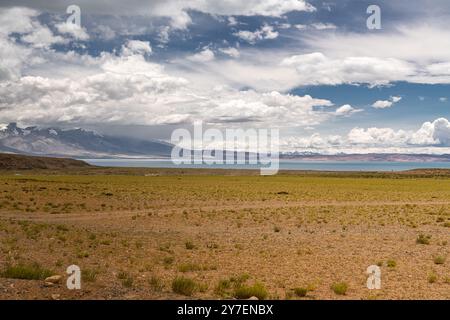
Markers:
(282, 232)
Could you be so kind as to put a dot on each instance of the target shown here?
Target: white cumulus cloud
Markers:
(264, 33)
(206, 55)
(383, 104)
(136, 47)
(346, 110)
(72, 29)
(433, 133)
(232, 52)
(430, 138)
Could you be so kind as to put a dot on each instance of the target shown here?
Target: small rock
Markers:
(253, 298)
(48, 284)
(53, 279)
(56, 296)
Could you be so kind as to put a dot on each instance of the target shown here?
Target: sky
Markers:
(312, 69)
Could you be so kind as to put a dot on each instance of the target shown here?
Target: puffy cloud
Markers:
(164, 34)
(180, 19)
(265, 109)
(383, 104)
(264, 33)
(14, 56)
(136, 47)
(232, 52)
(23, 21)
(313, 142)
(205, 55)
(232, 21)
(42, 38)
(441, 131)
(346, 110)
(377, 136)
(431, 137)
(432, 133)
(128, 89)
(301, 26)
(17, 20)
(436, 133)
(124, 89)
(74, 30)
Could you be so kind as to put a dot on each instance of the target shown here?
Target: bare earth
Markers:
(133, 232)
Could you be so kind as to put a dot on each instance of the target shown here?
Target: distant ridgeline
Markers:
(76, 143)
(21, 162)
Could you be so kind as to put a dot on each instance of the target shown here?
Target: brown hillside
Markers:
(21, 162)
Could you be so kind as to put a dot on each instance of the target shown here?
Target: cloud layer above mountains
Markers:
(52, 72)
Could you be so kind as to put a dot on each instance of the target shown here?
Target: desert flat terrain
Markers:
(158, 234)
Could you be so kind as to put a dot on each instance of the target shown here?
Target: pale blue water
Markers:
(284, 165)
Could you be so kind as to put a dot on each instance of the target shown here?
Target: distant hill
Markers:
(79, 143)
(21, 162)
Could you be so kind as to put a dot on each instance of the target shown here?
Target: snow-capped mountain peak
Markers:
(76, 142)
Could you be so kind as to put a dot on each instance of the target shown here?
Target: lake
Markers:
(284, 165)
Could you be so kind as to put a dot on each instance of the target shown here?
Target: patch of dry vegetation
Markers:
(172, 236)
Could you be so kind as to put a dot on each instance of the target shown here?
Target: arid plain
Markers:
(212, 234)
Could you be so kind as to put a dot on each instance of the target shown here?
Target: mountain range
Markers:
(82, 143)
(78, 142)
